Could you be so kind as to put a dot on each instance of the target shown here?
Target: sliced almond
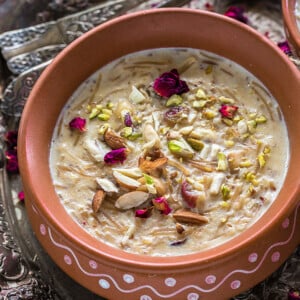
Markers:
(97, 200)
(126, 181)
(107, 185)
(131, 199)
(113, 140)
(131, 172)
(160, 186)
(151, 137)
(203, 166)
(142, 188)
(185, 216)
(148, 166)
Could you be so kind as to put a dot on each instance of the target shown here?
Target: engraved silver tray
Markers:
(43, 28)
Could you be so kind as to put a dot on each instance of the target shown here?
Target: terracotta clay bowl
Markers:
(218, 273)
(290, 25)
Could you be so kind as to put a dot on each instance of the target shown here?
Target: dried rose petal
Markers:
(115, 156)
(127, 120)
(237, 13)
(208, 6)
(143, 213)
(189, 195)
(175, 114)
(162, 205)
(12, 165)
(78, 124)
(11, 154)
(294, 295)
(285, 47)
(21, 196)
(11, 138)
(228, 111)
(169, 84)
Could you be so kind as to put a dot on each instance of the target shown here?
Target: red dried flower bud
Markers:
(127, 120)
(12, 165)
(189, 194)
(236, 13)
(11, 138)
(228, 111)
(208, 6)
(143, 213)
(21, 196)
(115, 156)
(285, 47)
(294, 295)
(162, 205)
(78, 124)
(176, 114)
(169, 84)
(11, 154)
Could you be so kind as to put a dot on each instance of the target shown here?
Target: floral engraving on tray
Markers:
(12, 39)
(16, 280)
(23, 62)
(75, 26)
(17, 92)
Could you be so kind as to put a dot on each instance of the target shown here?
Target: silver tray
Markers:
(26, 271)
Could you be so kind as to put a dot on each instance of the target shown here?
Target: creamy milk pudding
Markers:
(169, 151)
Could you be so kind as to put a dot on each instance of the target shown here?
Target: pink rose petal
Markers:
(12, 165)
(78, 124)
(11, 138)
(237, 13)
(294, 295)
(162, 205)
(143, 213)
(127, 120)
(169, 84)
(21, 196)
(285, 47)
(115, 156)
(228, 111)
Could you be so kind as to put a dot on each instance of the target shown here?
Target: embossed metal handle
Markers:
(28, 51)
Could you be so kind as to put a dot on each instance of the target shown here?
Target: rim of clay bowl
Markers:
(288, 11)
(83, 241)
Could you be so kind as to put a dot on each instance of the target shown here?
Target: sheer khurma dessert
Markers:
(169, 151)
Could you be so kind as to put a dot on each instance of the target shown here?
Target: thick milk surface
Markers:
(235, 176)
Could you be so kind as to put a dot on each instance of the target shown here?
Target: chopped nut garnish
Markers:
(97, 200)
(113, 140)
(131, 199)
(181, 157)
(179, 228)
(185, 216)
(195, 144)
(148, 166)
(174, 100)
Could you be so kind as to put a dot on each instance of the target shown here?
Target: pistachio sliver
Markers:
(222, 162)
(179, 148)
(174, 100)
(200, 94)
(195, 144)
